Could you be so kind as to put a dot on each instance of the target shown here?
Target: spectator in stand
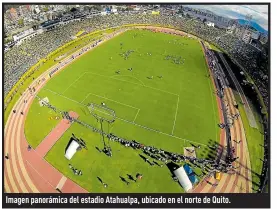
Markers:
(18, 59)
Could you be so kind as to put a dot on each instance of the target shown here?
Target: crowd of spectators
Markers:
(245, 55)
(163, 156)
(20, 58)
(208, 166)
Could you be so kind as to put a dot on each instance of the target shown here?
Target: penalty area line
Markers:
(136, 115)
(86, 97)
(175, 116)
(109, 100)
(74, 82)
(127, 121)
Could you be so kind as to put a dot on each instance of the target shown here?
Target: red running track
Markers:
(37, 175)
(54, 135)
(27, 171)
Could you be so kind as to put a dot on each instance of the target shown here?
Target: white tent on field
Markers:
(71, 149)
(183, 178)
(44, 101)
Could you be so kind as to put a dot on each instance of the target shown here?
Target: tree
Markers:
(60, 15)
(180, 11)
(187, 15)
(35, 26)
(73, 9)
(45, 9)
(21, 22)
(97, 7)
(266, 48)
(264, 111)
(7, 40)
(5, 33)
(87, 8)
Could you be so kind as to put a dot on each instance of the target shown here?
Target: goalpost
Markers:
(44, 101)
(103, 114)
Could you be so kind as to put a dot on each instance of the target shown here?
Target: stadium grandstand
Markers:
(23, 55)
(32, 46)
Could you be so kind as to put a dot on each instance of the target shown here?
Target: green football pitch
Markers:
(166, 101)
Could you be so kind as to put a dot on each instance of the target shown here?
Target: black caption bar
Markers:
(136, 200)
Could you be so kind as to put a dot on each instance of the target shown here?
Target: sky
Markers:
(259, 12)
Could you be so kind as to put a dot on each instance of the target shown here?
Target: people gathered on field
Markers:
(156, 156)
(19, 59)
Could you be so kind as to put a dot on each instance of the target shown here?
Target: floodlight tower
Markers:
(102, 132)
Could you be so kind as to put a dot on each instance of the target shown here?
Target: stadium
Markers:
(134, 101)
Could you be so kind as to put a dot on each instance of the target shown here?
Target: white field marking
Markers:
(75, 101)
(128, 76)
(15, 147)
(161, 90)
(75, 53)
(64, 96)
(132, 83)
(74, 82)
(106, 113)
(111, 77)
(150, 129)
(175, 116)
(110, 100)
(180, 88)
(42, 75)
(61, 182)
(21, 163)
(52, 166)
(43, 140)
(136, 115)
(8, 163)
(6, 186)
(196, 106)
(147, 128)
(85, 97)
(7, 128)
